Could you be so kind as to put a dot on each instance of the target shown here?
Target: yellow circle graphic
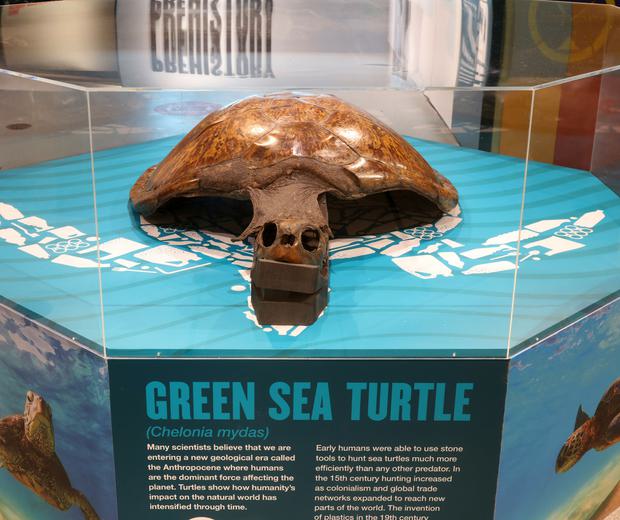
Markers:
(565, 51)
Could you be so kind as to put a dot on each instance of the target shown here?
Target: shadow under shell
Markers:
(374, 214)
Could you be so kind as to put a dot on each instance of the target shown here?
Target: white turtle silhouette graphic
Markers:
(425, 252)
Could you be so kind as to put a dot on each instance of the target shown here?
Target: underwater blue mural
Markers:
(74, 383)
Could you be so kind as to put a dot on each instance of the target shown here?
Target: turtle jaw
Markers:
(290, 275)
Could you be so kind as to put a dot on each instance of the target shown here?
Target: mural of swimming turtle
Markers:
(28, 452)
(598, 432)
(285, 153)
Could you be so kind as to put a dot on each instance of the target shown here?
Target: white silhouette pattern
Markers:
(184, 249)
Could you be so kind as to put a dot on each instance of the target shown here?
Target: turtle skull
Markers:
(290, 272)
(291, 265)
(293, 242)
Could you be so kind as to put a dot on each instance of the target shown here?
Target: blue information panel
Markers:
(322, 440)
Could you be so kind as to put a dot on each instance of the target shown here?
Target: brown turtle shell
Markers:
(238, 148)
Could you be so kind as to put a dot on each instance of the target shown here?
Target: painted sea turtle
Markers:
(27, 451)
(286, 152)
(598, 432)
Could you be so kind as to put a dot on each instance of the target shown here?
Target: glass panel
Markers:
(569, 255)
(181, 287)
(491, 128)
(48, 236)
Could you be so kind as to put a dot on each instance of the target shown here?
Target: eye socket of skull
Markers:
(310, 239)
(269, 233)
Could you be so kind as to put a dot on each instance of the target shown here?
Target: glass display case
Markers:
(516, 103)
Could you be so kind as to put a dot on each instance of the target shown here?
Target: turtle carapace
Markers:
(286, 152)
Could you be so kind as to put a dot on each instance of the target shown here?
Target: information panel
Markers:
(307, 439)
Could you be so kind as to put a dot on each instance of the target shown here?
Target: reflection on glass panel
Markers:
(492, 121)
(275, 44)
